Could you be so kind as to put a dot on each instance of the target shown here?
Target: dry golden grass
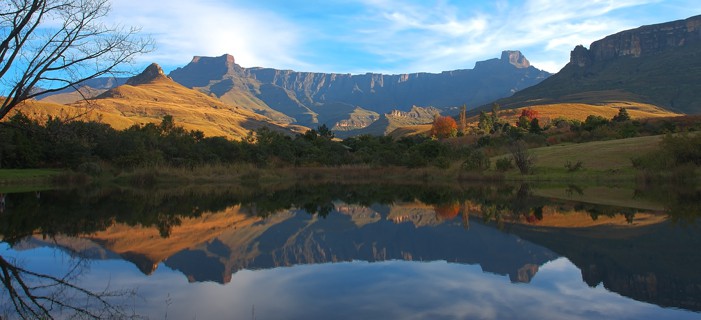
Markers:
(409, 131)
(71, 97)
(580, 111)
(127, 105)
(548, 112)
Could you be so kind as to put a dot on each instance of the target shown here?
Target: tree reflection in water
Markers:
(516, 209)
(32, 295)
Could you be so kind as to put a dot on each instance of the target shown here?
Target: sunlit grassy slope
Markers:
(148, 102)
(597, 155)
(549, 112)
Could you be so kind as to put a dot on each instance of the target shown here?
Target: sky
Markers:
(383, 36)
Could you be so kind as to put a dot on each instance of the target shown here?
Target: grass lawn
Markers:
(25, 180)
(597, 155)
(602, 161)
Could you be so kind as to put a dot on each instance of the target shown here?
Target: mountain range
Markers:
(347, 103)
(652, 68)
(311, 99)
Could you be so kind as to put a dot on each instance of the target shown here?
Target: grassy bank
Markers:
(249, 174)
(601, 161)
(17, 180)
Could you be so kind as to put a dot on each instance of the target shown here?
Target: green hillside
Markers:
(668, 79)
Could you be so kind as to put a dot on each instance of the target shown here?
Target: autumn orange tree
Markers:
(444, 127)
(526, 118)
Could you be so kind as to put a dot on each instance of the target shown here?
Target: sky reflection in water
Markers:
(401, 258)
(361, 290)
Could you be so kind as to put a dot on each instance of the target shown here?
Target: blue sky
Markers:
(384, 36)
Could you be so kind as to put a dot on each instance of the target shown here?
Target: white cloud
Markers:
(184, 28)
(381, 35)
(435, 37)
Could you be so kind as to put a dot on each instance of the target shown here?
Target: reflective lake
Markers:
(352, 251)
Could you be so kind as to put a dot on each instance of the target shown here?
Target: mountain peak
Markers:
(516, 58)
(202, 69)
(152, 73)
(225, 60)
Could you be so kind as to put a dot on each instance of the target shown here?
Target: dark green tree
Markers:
(622, 116)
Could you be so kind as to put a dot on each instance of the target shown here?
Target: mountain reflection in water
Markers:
(211, 235)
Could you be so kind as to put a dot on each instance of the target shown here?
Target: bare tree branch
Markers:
(40, 296)
(39, 55)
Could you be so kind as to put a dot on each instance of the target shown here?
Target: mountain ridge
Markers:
(310, 98)
(655, 64)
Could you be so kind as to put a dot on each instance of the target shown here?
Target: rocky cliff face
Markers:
(643, 41)
(312, 99)
(656, 64)
(152, 73)
(515, 58)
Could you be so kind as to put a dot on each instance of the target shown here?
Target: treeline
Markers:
(88, 146)
(493, 135)
(74, 212)
(543, 131)
(91, 146)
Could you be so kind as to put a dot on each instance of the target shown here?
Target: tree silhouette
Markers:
(51, 45)
(622, 116)
(35, 295)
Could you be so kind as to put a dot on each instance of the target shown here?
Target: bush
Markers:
(573, 167)
(476, 160)
(504, 164)
(523, 159)
(90, 168)
(441, 162)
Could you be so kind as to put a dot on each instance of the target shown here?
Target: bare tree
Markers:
(51, 45)
(33, 295)
(523, 159)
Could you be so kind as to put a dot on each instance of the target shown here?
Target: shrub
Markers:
(476, 160)
(91, 168)
(573, 167)
(523, 159)
(504, 164)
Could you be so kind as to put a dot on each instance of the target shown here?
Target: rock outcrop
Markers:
(655, 64)
(643, 41)
(152, 73)
(515, 58)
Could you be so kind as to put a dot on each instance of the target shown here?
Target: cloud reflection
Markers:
(394, 290)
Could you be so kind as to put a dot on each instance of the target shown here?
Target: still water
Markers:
(352, 251)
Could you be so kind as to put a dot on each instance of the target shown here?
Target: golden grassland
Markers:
(580, 111)
(549, 112)
(127, 105)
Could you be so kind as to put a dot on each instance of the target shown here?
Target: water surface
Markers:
(340, 251)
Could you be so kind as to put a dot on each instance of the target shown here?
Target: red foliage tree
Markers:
(529, 113)
(444, 127)
(447, 211)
